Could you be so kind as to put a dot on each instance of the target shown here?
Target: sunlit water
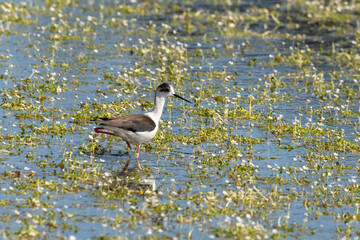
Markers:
(170, 169)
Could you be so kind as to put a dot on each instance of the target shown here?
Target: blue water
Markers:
(86, 215)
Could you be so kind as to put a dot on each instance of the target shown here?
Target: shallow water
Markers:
(268, 149)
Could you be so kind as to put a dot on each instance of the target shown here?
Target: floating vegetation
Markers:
(269, 149)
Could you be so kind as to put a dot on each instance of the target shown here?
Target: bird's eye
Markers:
(165, 89)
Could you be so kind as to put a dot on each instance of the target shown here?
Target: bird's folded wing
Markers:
(134, 123)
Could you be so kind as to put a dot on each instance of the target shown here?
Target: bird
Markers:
(138, 128)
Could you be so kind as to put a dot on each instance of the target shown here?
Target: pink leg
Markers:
(137, 160)
(137, 157)
(128, 144)
(98, 130)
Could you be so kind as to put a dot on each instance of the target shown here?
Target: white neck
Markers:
(155, 114)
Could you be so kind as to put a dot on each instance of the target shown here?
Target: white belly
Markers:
(132, 137)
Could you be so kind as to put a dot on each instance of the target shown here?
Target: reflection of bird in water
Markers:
(138, 128)
(134, 178)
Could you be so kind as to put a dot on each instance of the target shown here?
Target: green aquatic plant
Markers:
(269, 148)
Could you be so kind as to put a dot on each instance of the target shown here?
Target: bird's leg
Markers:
(99, 130)
(126, 165)
(128, 162)
(137, 157)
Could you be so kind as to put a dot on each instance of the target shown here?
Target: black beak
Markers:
(182, 98)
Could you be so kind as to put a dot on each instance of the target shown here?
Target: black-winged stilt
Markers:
(138, 128)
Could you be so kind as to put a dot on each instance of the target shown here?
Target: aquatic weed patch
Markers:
(269, 149)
